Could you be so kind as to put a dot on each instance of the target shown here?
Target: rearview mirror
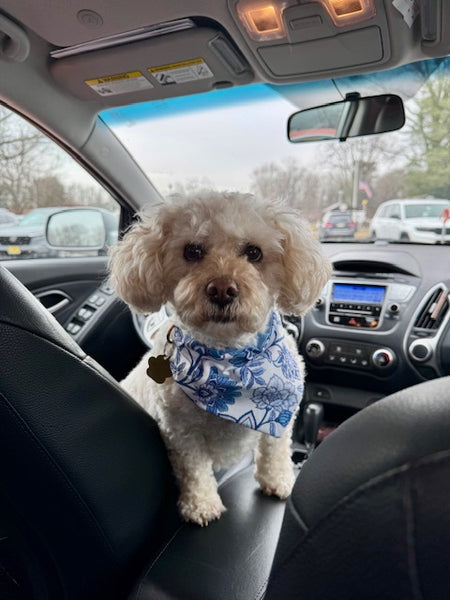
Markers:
(352, 117)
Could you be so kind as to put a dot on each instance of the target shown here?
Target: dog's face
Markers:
(222, 262)
(222, 276)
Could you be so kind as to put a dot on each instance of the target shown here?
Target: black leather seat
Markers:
(87, 499)
(369, 517)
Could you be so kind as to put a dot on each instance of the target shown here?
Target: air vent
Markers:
(368, 266)
(434, 310)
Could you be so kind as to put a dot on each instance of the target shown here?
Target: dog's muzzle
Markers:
(222, 291)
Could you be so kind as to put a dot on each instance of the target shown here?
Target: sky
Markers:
(177, 146)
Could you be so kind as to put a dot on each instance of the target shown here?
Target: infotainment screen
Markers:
(364, 294)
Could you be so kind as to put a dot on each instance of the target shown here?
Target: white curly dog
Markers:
(226, 265)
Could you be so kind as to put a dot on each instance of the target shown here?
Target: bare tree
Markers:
(387, 186)
(429, 150)
(48, 191)
(194, 186)
(24, 153)
(341, 160)
(77, 194)
(293, 184)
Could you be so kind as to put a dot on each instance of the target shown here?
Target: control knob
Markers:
(394, 308)
(320, 302)
(383, 358)
(314, 348)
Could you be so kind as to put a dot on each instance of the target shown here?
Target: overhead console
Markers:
(109, 56)
(300, 38)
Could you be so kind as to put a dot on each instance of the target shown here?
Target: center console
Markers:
(364, 304)
(348, 309)
(356, 305)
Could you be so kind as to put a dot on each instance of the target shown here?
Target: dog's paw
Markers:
(201, 510)
(280, 486)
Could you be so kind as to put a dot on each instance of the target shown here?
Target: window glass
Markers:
(234, 139)
(394, 211)
(418, 211)
(38, 179)
(340, 218)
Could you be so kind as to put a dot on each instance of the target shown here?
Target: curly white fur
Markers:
(149, 269)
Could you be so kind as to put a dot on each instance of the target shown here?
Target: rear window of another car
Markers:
(340, 218)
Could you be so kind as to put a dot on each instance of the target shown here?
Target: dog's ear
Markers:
(305, 269)
(135, 264)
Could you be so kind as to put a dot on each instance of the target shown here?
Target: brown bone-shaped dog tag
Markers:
(159, 368)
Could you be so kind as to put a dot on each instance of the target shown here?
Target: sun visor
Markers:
(183, 62)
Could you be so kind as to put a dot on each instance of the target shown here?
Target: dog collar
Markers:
(259, 386)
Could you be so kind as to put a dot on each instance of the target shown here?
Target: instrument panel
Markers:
(382, 323)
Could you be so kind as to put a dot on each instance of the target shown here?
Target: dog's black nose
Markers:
(222, 290)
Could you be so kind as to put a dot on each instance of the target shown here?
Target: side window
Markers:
(38, 179)
(395, 211)
(390, 211)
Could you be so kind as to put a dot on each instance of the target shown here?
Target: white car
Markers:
(419, 220)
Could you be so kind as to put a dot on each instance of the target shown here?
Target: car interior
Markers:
(87, 496)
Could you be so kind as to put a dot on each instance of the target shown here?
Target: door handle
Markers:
(54, 300)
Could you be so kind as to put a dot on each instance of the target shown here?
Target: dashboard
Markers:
(381, 323)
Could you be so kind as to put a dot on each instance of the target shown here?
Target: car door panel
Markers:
(79, 286)
(52, 280)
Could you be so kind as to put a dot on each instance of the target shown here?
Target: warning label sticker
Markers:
(122, 83)
(181, 72)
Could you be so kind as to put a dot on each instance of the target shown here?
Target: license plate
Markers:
(13, 250)
(340, 225)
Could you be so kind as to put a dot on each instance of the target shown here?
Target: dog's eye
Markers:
(193, 252)
(253, 253)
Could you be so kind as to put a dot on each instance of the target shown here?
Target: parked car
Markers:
(148, 100)
(27, 239)
(337, 225)
(7, 217)
(418, 220)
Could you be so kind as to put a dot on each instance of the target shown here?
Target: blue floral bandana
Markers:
(259, 386)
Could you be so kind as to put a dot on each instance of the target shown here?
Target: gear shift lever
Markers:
(312, 419)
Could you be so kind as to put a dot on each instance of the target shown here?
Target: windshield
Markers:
(37, 217)
(235, 139)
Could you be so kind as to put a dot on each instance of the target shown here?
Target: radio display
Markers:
(363, 294)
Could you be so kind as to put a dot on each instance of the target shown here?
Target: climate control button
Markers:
(383, 358)
(346, 354)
